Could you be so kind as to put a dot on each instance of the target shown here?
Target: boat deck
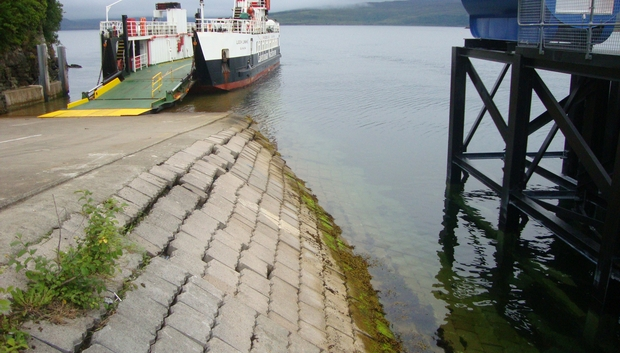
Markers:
(143, 91)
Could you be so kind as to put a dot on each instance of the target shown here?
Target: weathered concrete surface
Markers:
(25, 95)
(235, 266)
(45, 157)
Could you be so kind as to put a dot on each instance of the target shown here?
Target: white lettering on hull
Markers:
(266, 55)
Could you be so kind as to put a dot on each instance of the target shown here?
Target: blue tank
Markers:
(493, 19)
(498, 19)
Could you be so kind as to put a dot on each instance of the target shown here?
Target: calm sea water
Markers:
(361, 114)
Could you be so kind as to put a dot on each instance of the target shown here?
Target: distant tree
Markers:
(53, 18)
(17, 19)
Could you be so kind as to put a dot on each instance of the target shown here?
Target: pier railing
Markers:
(237, 26)
(586, 26)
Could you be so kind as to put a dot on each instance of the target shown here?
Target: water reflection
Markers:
(215, 102)
(368, 133)
(38, 109)
(511, 292)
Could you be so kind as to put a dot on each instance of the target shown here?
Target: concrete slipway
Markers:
(235, 262)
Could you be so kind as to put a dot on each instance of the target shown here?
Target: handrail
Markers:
(581, 26)
(156, 83)
(236, 26)
(154, 28)
(143, 28)
(140, 61)
(117, 26)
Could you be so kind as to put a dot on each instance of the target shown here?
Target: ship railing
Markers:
(257, 3)
(236, 26)
(140, 61)
(140, 28)
(151, 28)
(156, 83)
(115, 27)
(587, 26)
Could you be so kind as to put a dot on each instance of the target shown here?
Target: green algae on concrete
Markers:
(364, 303)
(366, 310)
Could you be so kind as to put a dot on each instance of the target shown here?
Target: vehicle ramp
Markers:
(147, 90)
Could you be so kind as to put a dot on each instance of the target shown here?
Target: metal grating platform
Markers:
(586, 26)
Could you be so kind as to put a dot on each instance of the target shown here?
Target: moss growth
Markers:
(384, 330)
(364, 303)
(266, 144)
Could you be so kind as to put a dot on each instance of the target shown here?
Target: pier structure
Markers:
(577, 197)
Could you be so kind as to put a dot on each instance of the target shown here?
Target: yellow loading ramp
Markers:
(149, 89)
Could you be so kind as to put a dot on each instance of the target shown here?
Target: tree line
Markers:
(24, 22)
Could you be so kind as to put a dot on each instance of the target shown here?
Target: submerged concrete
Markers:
(24, 96)
(233, 263)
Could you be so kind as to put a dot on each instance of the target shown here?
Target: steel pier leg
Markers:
(516, 142)
(611, 233)
(457, 114)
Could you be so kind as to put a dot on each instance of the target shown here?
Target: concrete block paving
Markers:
(235, 265)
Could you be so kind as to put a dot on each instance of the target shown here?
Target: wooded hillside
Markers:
(388, 13)
(395, 13)
(24, 24)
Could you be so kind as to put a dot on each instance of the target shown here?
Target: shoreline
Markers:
(282, 278)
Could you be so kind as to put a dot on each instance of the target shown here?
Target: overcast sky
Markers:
(89, 9)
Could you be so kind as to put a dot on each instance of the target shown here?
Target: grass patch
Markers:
(67, 285)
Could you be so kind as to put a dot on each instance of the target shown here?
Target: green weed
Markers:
(12, 339)
(76, 275)
(74, 279)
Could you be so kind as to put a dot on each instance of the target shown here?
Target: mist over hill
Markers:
(389, 13)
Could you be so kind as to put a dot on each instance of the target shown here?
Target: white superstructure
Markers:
(167, 37)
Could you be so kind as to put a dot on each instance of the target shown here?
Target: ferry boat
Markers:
(230, 53)
(133, 44)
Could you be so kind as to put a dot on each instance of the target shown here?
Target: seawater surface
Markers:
(361, 114)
